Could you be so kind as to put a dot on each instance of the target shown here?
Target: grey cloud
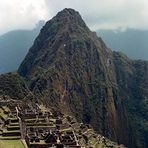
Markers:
(110, 14)
(21, 14)
(107, 13)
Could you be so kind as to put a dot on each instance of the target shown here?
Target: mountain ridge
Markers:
(14, 46)
(130, 41)
(69, 67)
(76, 57)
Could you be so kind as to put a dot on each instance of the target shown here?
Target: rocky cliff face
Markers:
(132, 80)
(71, 68)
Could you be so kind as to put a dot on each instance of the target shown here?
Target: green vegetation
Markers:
(3, 113)
(33, 120)
(37, 124)
(10, 137)
(14, 124)
(100, 145)
(6, 109)
(42, 126)
(66, 129)
(11, 84)
(69, 68)
(11, 144)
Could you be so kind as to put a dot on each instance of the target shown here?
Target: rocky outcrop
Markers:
(132, 80)
(69, 67)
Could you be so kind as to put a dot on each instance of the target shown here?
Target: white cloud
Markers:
(18, 14)
(110, 14)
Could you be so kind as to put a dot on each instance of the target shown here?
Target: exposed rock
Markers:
(71, 68)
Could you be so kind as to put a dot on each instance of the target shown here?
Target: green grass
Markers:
(2, 114)
(42, 126)
(38, 124)
(13, 118)
(6, 109)
(66, 129)
(9, 137)
(11, 144)
(12, 131)
(92, 140)
(99, 145)
(34, 120)
(12, 128)
(14, 124)
(52, 120)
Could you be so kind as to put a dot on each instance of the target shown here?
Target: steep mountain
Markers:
(14, 46)
(70, 68)
(132, 80)
(132, 42)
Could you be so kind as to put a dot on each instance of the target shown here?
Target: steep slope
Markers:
(132, 79)
(71, 68)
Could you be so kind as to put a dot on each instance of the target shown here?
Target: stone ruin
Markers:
(43, 127)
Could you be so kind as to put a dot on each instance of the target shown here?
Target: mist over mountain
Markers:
(71, 68)
(132, 42)
(14, 46)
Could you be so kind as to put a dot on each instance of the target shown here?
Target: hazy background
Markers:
(122, 24)
(104, 14)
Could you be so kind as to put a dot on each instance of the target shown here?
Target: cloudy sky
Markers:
(104, 14)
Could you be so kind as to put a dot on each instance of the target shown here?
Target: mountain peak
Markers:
(68, 12)
(69, 17)
(68, 64)
(70, 68)
(66, 27)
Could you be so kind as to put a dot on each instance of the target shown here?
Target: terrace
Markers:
(39, 127)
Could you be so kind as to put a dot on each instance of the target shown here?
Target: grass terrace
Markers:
(11, 144)
(3, 115)
(66, 129)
